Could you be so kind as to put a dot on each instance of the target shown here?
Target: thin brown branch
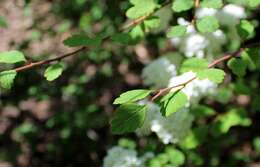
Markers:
(197, 3)
(131, 24)
(42, 62)
(164, 91)
(142, 18)
(224, 58)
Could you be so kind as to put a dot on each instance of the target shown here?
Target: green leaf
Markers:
(207, 24)
(196, 137)
(223, 95)
(194, 64)
(11, 57)
(234, 117)
(3, 22)
(128, 118)
(177, 31)
(122, 38)
(176, 157)
(182, 5)
(151, 23)
(256, 144)
(7, 79)
(251, 64)
(172, 102)
(238, 66)
(53, 72)
(137, 32)
(245, 29)
(253, 3)
(141, 8)
(82, 40)
(214, 75)
(132, 96)
(212, 4)
(202, 111)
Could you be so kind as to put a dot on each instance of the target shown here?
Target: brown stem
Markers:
(166, 90)
(197, 3)
(131, 24)
(42, 62)
(226, 57)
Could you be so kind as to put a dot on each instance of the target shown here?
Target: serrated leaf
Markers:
(82, 40)
(182, 5)
(151, 23)
(7, 79)
(245, 29)
(194, 64)
(11, 57)
(53, 72)
(207, 24)
(128, 118)
(140, 8)
(212, 4)
(132, 96)
(238, 66)
(214, 75)
(173, 102)
(3, 22)
(177, 31)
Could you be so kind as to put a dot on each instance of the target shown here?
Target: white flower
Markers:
(158, 72)
(173, 128)
(202, 12)
(121, 157)
(153, 112)
(195, 44)
(220, 36)
(231, 14)
(170, 129)
(195, 89)
(234, 10)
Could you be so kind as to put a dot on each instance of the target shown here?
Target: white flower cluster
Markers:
(196, 44)
(174, 128)
(158, 72)
(122, 157)
(170, 129)
(161, 73)
(229, 15)
(196, 89)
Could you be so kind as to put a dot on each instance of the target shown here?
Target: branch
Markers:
(197, 4)
(129, 25)
(224, 58)
(42, 62)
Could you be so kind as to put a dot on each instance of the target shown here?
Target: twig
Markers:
(129, 25)
(163, 91)
(39, 63)
(226, 57)
(197, 3)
